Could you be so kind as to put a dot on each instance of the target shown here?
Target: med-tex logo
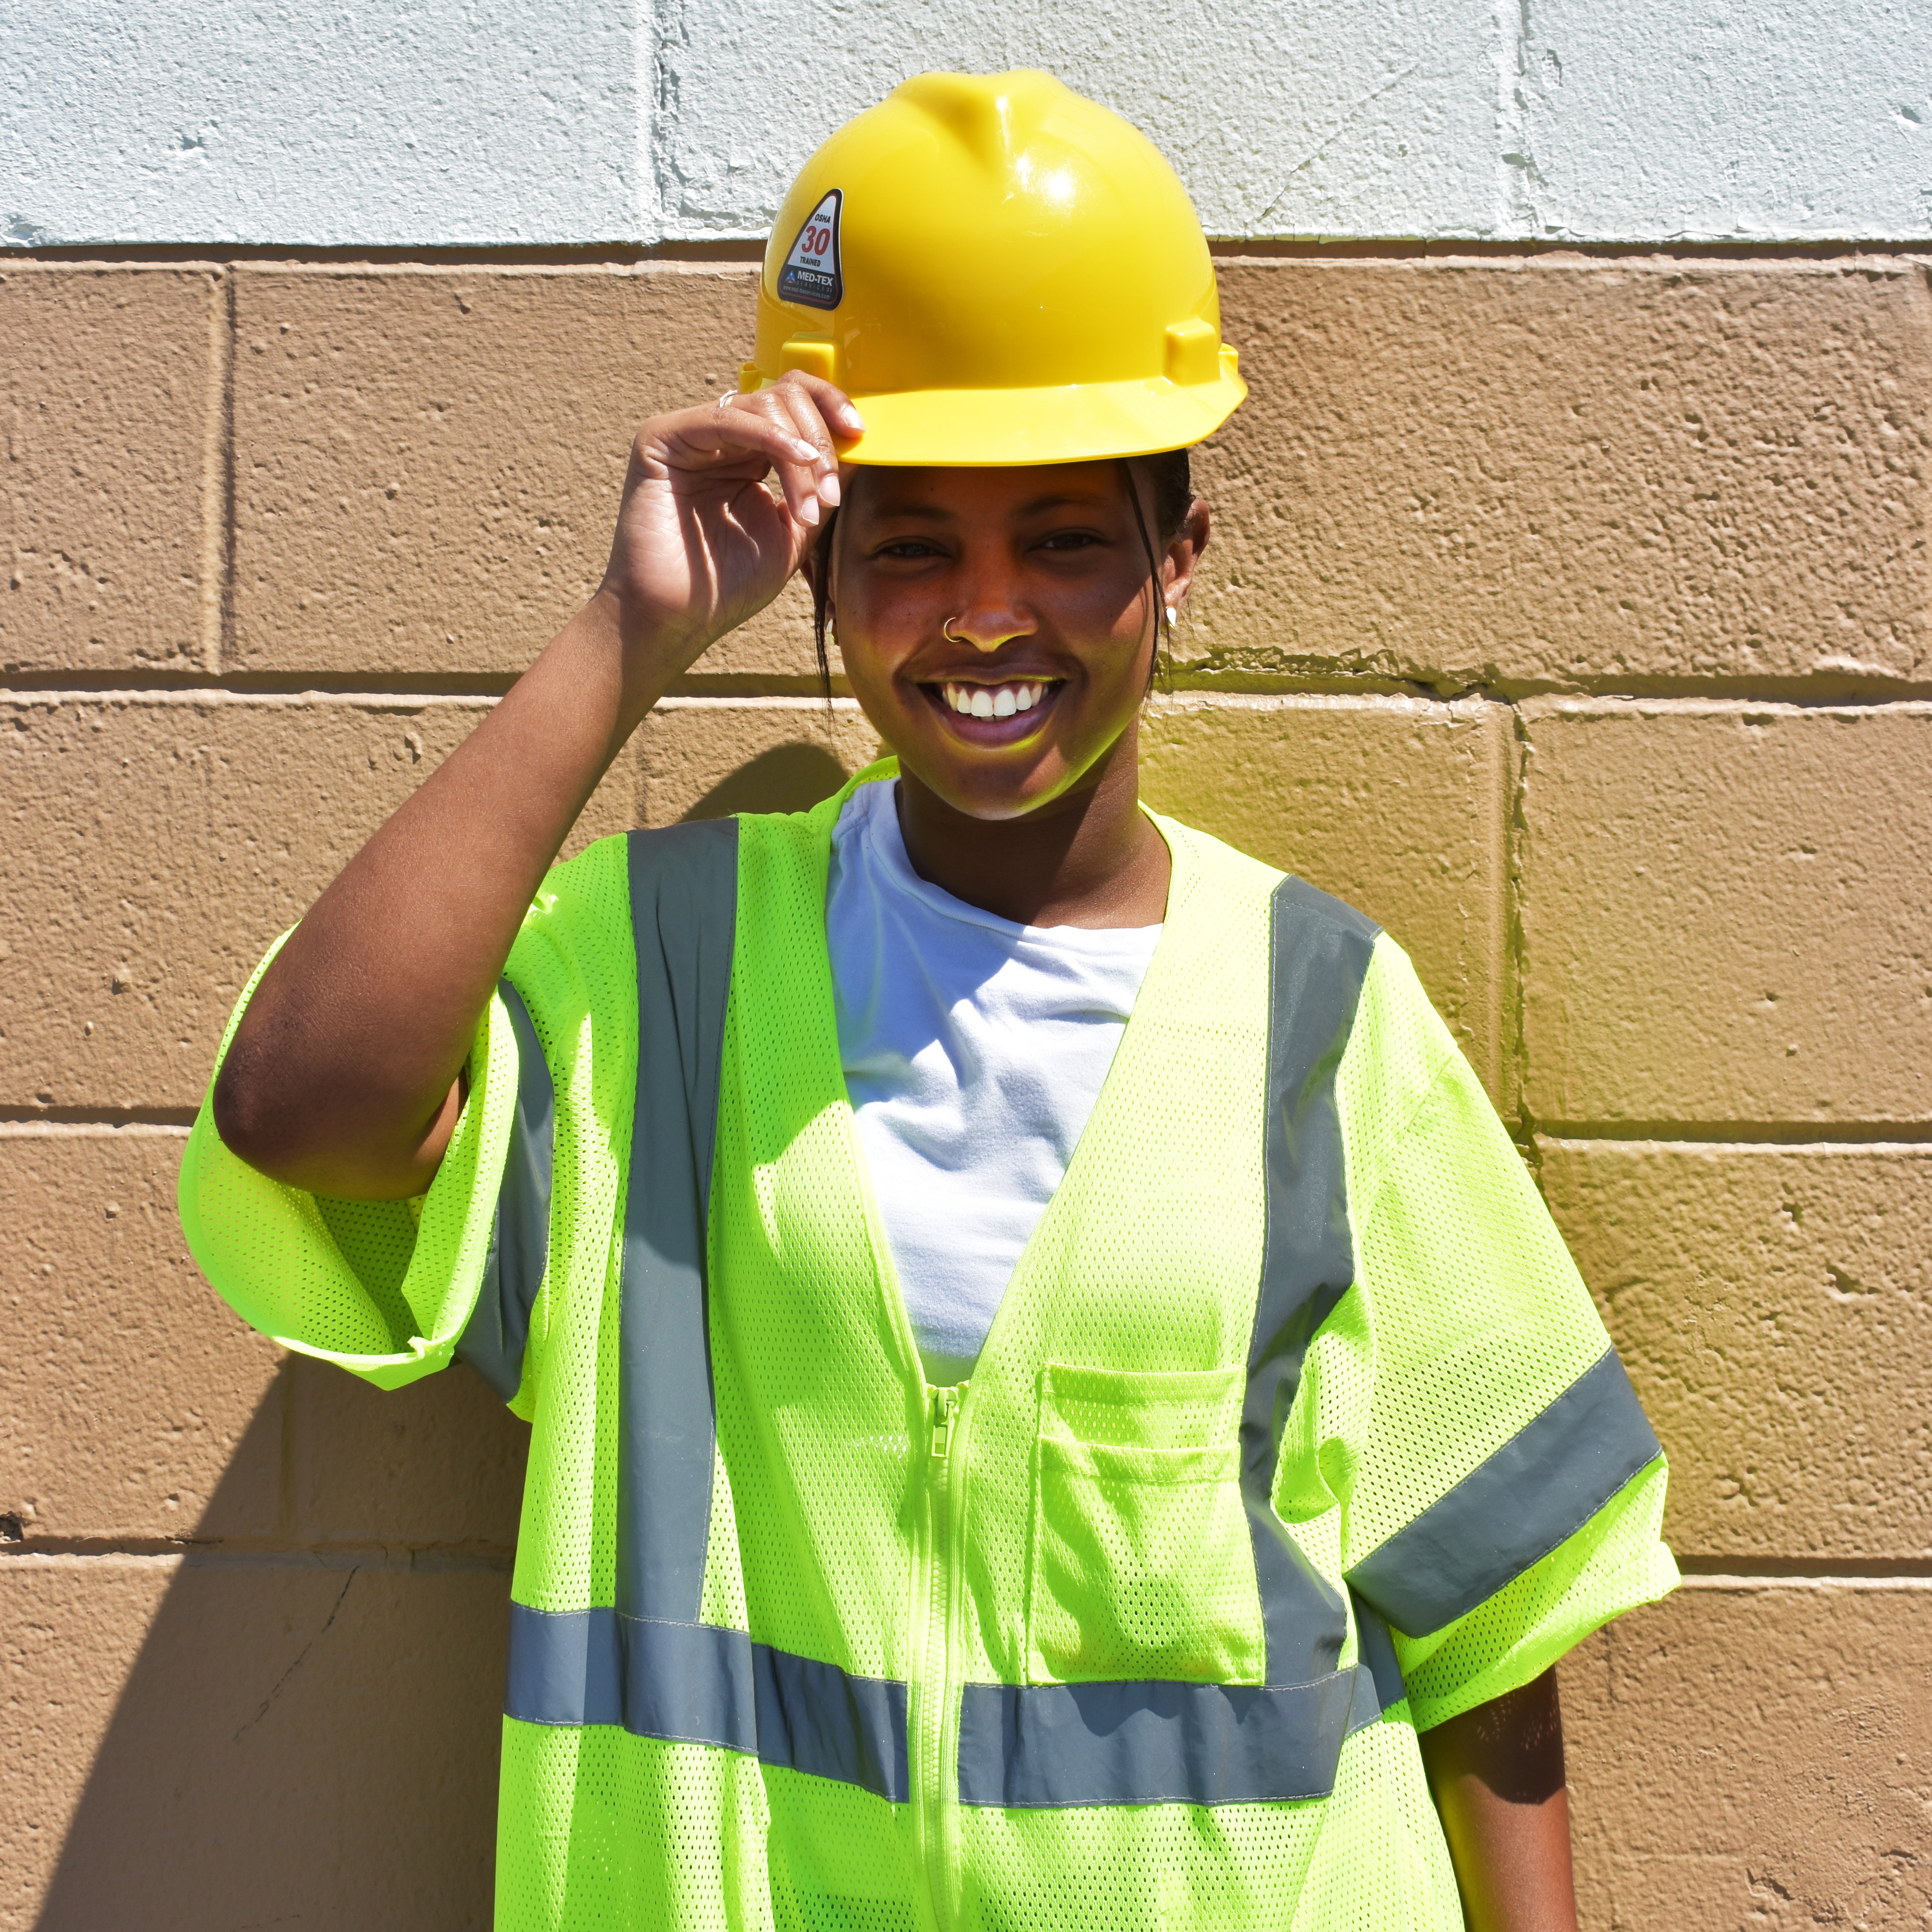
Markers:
(811, 275)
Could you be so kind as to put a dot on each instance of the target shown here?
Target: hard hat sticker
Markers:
(811, 273)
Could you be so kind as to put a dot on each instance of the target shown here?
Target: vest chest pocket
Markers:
(1139, 1564)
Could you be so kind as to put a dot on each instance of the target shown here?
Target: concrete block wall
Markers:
(1568, 612)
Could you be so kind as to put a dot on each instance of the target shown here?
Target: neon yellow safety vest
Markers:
(1295, 1430)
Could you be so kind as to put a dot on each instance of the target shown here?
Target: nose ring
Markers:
(946, 631)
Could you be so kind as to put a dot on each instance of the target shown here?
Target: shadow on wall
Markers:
(788, 778)
(309, 1733)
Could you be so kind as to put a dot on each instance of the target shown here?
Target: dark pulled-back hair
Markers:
(1170, 478)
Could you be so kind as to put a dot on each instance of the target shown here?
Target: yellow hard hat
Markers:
(996, 271)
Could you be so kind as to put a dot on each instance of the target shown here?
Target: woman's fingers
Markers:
(818, 413)
(792, 405)
(825, 416)
(790, 429)
(733, 432)
(804, 484)
(836, 409)
(800, 466)
(822, 415)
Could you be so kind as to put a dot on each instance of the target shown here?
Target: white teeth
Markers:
(980, 701)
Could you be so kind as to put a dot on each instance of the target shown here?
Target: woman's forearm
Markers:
(1497, 1776)
(342, 1078)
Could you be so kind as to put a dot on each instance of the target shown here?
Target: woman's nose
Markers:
(986, 623)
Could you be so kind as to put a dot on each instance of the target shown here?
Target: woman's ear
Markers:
(1183, 551)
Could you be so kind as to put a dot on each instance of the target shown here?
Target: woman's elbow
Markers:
(340, 1138)
(251, 1115)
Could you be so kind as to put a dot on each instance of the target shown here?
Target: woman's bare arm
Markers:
(343, 1077)
(1496, 1774)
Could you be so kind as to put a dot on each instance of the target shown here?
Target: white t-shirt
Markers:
(974, 1049)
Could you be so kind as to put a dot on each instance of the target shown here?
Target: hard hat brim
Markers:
(1079, 422)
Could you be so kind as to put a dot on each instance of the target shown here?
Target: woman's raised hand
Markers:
(701, 544)
(345, 1075)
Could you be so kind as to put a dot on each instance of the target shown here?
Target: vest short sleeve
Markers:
(382, 1288)
(392, 1290)
(1508, 1491)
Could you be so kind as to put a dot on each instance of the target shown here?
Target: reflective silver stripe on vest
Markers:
(684, 893)
(1318, 955)
(1033, 1745)
(697, 1683)
(1538, 1490)
(1383, 1688)
(1317, 958)
(493, 1338)
(1159, 1742)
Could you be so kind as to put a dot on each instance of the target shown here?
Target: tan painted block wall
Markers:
(1756, 1754)
(1724, 913)
(426, 460)
(131, 819)
(114, 500)
(1774, 1305)
(1632, 474)
(99, 1299)
(1567, 614)
(179, 1754)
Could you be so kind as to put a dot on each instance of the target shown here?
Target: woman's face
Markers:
(1040, 577)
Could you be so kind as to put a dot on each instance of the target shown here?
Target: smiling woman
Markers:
(999, 628)
(1057, 1404)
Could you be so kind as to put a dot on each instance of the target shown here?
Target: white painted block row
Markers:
(1714, 120)
(360, 123)
(568, 121)
(1334, 117)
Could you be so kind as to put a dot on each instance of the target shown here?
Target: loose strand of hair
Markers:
(821, 606)
(1161, 664)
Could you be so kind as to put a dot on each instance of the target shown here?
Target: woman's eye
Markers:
(1066, 540)
(908, 547)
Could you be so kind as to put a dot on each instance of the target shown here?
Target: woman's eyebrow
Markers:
(1059, 499)
(916, 510)
(924, 513)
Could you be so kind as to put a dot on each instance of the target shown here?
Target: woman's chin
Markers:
(994, 785)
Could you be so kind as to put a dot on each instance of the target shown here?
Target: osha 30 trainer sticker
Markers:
(810, 272)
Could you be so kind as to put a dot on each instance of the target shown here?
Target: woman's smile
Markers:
(1000, 700)
(992, 713)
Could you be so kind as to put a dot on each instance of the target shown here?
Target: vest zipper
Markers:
(939, 1713)
(945, 1409)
